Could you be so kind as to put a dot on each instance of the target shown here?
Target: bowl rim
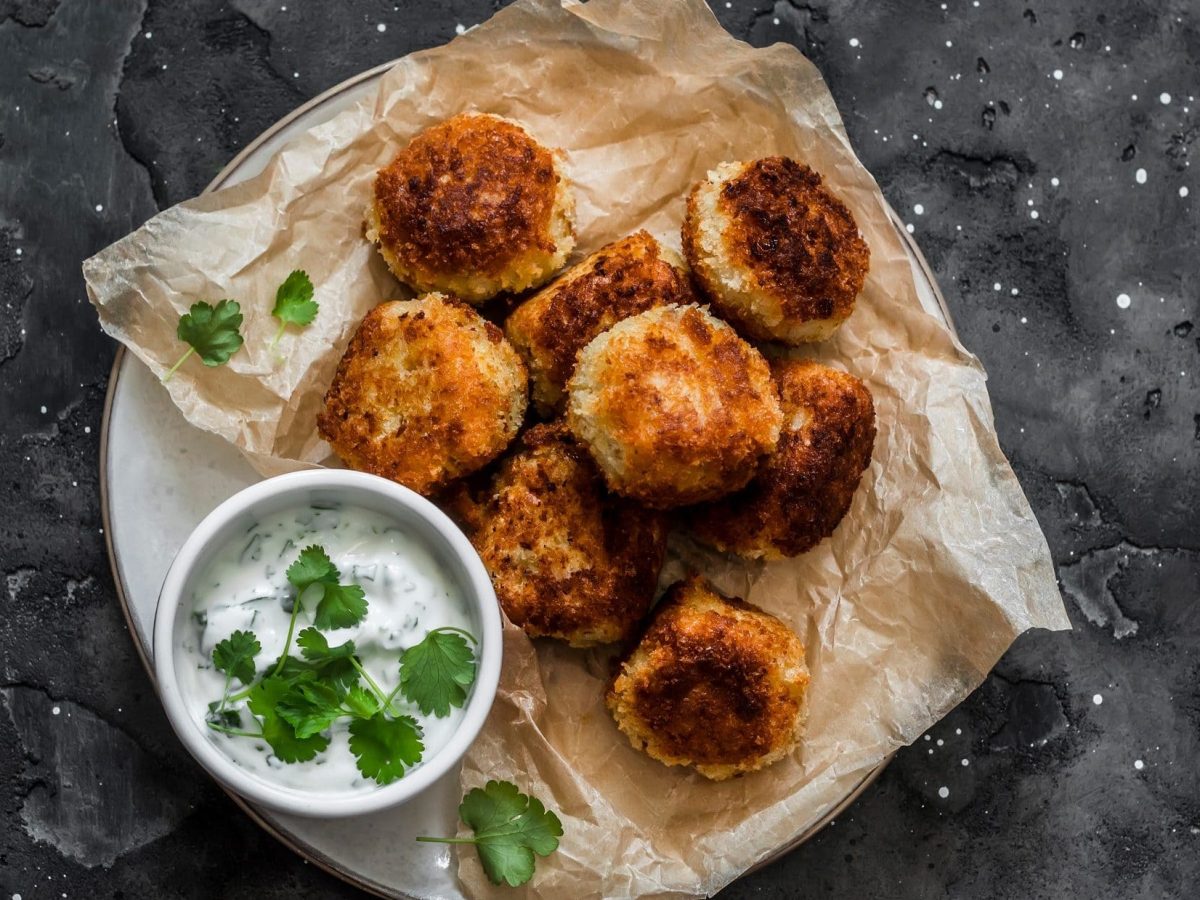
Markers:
(480, 597)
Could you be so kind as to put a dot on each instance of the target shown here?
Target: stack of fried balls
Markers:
(664, 395)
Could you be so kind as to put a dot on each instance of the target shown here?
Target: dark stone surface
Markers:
(112, 110)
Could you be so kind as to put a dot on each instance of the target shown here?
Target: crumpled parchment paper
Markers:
(939, 565)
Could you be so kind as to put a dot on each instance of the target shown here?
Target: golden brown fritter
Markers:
(568, 559)
(472, 206)
(805, 487)
(778, 255)
(715, 684)
(622, 279)
(427, 391)
(674, 407)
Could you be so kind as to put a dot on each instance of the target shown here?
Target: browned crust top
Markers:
(648, 403)
(622, 279)
(414, 399)
(806, 486)
(800, 241)
(567, 558)
(710, 687)
(468, 195)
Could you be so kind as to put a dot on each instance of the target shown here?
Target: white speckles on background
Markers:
(854, 42)
(381, 27)
(966, 762)
(1054, 182)
(460, 28)
(1140, 176)
(1164, 98)
(1058, 74)
(919, 209)
(1183, 192)
(1139, 765)
(1123, 301)
(943, 792)
(1097, 699)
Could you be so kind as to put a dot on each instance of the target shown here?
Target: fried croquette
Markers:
(473, 207)
(568, 559)
(714, 683)
(427, 391)
(622, 279)
(805, 487)
(674, 407)
(775, 252)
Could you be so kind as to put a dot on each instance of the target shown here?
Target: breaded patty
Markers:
(622, 279)
(805, 487)
(674, 407)
(715, 684)
(568, 559)
(427, 391)
(778, 255)
(473, 206)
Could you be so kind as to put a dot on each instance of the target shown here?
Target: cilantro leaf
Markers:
(338, 671)
(342, 606)
(211, 331)
(435, 673)
(235, 655)
(383, 746)
(315, 648)
(311, 707)
(360, 702)
(510, 827)
(263, 701)
(312, 566)
(294, 304)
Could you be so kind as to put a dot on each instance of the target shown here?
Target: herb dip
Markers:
(245, 586)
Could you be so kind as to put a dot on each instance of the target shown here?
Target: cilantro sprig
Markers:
(214, 332)
(509, 828)
(294, 303)
(295, 701)
(211, 331)
(436, 673)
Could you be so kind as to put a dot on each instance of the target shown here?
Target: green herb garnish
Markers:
(297, 699)
(510, 827)
(211, 331)
(436, 673)
(294, 303)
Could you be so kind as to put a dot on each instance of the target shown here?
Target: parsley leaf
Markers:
(510, 827)
(384, 746)
(435, 673)
(277, 731)
(294, 304)
(235, 655)
(211, 331)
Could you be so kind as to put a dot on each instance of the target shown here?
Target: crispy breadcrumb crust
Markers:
(714, 683)
(674, 407)
(619, 280)
(472, 206)
(427, 391)
(774, 250)
(806, 486)
(568, 559)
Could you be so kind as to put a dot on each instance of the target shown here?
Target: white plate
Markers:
(152, 497)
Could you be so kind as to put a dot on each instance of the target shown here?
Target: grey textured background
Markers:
(1071, 772)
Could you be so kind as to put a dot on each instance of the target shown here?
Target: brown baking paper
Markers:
(937, 568)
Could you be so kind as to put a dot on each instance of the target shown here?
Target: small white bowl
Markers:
(232, 517)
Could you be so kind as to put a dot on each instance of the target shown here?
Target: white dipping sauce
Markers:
(245, 587)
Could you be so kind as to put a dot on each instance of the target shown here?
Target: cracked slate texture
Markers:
(112, 110)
